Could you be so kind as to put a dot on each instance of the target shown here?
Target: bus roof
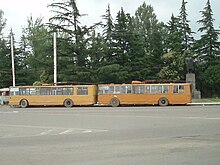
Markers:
(29, 86)
(183, 83)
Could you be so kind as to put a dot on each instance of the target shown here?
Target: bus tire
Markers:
(68, 103)
(163, 101)
(114, 102)
(24, 103)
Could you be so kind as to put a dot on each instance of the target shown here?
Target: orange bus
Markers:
(162, 94)
(67, 95)
(136, 93)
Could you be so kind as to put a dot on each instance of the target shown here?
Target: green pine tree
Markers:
(151, 31)
(208, 46)
(207, 49)
(35, 58)
(186, 32)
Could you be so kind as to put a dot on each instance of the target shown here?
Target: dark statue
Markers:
(189, 65)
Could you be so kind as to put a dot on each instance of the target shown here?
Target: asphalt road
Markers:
(175, 135)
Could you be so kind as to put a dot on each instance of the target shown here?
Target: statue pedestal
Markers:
(191, 78)
(196, 95)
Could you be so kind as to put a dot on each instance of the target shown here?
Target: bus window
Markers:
(123, 89)
(111, 90)
(53, 91)
(147, 89)
(117, 90)
(45, 91)
(59, 91)
(128, 88)
(67, 91)
(138, 89)
(37, 90)
(159, 88)
(14, 91)
(175, 89)
(178, 89)
(82, 90)
(165, 88)
(32, 91)
(156, 89)
(24, 91)
(103, 89)
(181, 88)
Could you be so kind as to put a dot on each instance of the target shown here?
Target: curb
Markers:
(204, 104)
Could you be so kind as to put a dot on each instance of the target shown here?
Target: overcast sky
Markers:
(17, 11)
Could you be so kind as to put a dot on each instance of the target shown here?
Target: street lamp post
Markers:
(12, 58)
(55, 57)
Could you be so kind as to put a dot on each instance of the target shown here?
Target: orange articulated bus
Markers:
(140, 94)
(68, 95)
(162, 94)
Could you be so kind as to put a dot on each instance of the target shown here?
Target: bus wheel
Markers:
(163, 101)
(24, 103)
(114, 102)
(68, 103)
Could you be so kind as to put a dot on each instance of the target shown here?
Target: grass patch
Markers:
(206, 100)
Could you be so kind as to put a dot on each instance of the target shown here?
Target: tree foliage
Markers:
(5, 56)
(207, 47)
(186, 32)
(125, 48)
(150, 31)
(34, 57)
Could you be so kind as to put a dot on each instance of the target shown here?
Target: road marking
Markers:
(194, 117)
(11, 112)
(66, 132)
(204, 118)
(87, 131)
(46, 132)
(213, 118)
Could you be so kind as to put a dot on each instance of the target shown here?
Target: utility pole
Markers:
(12, 58)
(55, 56)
